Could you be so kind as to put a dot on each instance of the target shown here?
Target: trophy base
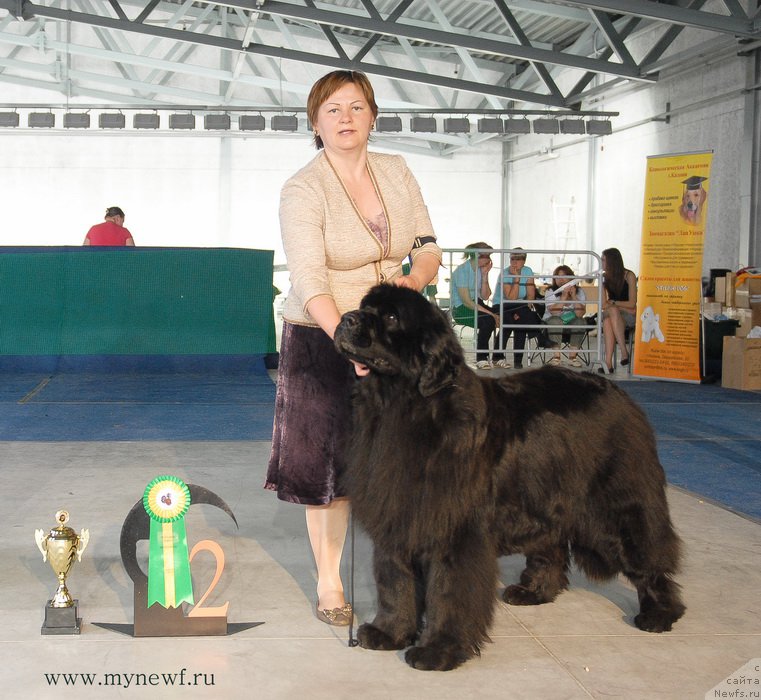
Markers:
(61, 620)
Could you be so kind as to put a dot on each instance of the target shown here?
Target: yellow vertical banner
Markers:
(667, 340)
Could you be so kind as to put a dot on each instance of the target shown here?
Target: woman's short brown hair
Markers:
(331, 82)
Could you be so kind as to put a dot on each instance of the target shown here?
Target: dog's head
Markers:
(692, 203)
(396, 332)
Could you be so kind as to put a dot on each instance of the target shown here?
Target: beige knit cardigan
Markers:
(329, 247)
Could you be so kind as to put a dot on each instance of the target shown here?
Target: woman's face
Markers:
(344, 120)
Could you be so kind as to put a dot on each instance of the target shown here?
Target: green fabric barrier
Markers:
(162, 301)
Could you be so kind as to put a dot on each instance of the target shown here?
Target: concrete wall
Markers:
(204, 191)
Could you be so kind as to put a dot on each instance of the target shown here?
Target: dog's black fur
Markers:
(448, 470)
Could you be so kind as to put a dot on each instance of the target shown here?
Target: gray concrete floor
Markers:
(582, 646)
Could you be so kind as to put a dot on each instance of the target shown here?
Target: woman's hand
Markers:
(410, 281)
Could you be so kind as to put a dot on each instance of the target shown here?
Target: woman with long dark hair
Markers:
(619, 306)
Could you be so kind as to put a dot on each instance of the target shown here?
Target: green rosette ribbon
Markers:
(166, 500)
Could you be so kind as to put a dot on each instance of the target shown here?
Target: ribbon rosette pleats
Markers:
(166, 500)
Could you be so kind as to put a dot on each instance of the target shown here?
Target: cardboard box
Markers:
(720, 290)
(745, 317)
(748, 292)
(729, 296)
(741, 363)
(755, 314)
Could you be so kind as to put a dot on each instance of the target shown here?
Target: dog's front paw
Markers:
(370, 637)
(434, 658)
(658, 620)
(518, 595)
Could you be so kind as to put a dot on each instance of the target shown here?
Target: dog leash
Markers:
(353, 642)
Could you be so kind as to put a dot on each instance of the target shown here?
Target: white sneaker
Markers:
(483, 364)
(502, 364)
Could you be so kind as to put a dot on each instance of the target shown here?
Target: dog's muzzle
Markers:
(351, 334)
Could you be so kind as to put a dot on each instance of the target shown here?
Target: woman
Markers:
(512, 301)
(470, 286)
(619, 306)
(564, 311)
(348, 219)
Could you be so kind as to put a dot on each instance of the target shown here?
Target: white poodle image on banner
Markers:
(651, 326)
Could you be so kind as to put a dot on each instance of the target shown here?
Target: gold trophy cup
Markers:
(60, 546)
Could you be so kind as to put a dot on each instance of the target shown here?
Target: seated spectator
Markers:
(564, 312)
(619, 306)
(512, 300)
(111, 231)
(470, 286)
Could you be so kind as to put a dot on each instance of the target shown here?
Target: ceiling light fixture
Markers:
(388, 124)
(220, 122)
(182, 121)
(251, 122)
(76, 120)
(111, 120)
(145, 121)
(41, 120)
(572, 126)
(285, 122)
(423, 124)
(546, 126)
(457, 125)
(490, 126)
(599, 128)
(517, 126)
(9, 119)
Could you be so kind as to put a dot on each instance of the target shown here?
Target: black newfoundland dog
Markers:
(448, 470)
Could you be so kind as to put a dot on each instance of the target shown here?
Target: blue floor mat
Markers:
(709, 439)
(85, 406)
(155, 388)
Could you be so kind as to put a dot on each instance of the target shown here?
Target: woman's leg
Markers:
(555, 332)
(503, 334)
(486, 326)
(619, 331)
(521, 315)
(576, 336)
(610, 340)
(327, 527)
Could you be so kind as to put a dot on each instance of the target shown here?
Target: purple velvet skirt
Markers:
(312, 416)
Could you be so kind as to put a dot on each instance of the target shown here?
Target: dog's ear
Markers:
(443, 359)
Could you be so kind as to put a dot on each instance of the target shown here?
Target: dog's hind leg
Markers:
(651, 552)
(396, 623)
(545, 575)
(660, 605)
(459, 604)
